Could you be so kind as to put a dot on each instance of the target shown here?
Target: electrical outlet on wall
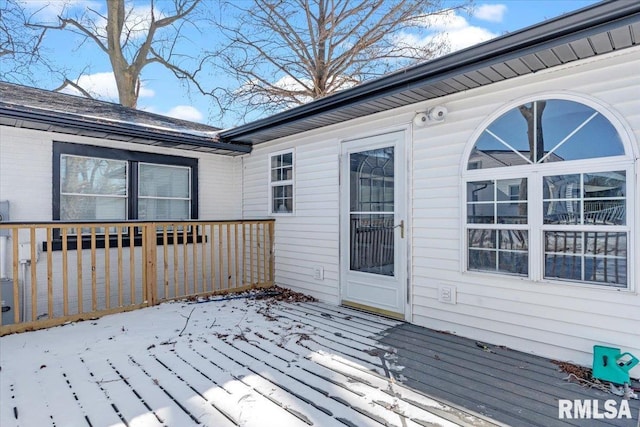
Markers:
(318, 272)
(447, 294)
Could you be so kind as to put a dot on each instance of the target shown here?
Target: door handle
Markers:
(401, 225)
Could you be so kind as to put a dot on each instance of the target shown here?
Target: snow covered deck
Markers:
(250, 362)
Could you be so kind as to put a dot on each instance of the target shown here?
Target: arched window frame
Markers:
(534, 173)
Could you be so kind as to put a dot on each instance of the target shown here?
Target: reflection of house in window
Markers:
(374, 172)
(475, 165)
(514, 192)
(486, 159)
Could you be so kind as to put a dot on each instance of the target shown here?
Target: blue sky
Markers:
(162, 93)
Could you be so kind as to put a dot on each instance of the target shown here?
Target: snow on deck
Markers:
(235, 362)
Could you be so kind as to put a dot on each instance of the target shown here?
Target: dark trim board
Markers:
(72, 241)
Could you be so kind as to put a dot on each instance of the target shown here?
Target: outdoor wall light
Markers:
(433, 115)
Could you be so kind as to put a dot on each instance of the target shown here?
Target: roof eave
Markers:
(70, 121)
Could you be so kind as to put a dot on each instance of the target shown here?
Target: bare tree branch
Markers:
(20, 45)
(129, 39)
(74, 85)
(287, 52)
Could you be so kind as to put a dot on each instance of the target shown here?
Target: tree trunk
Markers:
(126, 82)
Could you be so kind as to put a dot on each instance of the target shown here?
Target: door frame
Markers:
(404, 268)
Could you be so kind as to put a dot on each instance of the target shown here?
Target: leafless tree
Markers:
(132, 40)
(284, 53)
(20, 46)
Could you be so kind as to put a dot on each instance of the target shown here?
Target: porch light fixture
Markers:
(433, 115)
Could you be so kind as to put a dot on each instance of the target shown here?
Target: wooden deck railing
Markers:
(61, 272)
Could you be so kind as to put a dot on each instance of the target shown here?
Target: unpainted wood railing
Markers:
(62, 272)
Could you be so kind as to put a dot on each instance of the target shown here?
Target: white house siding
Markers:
(26, 174)
(309, 237)
(561, 321)
(26, 161)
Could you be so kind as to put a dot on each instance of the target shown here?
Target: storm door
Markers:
(373, 245)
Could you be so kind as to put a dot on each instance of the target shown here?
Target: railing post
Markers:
(272, 244)
(150, 257)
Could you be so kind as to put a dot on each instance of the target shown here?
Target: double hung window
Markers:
(281, 183)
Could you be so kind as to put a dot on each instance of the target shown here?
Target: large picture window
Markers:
(104, 184)
(547, 188)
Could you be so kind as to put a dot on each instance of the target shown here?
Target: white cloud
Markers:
(446, 20)
(185, 112)
(47, 11)
(136, 25)
(103, 86)
(451, 28)
(490, 12)
(468, 36)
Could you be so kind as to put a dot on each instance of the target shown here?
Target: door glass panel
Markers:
(371, 191)
(372, 248)
(371, 180)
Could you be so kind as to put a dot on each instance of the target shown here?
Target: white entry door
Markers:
(372, 224)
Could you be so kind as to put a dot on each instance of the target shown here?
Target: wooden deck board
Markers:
(302, 364)
(500, 383)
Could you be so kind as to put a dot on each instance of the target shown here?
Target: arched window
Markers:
(548, 196)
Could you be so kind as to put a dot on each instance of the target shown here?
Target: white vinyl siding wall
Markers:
(309, 237)
(559, 320)
(26, 174)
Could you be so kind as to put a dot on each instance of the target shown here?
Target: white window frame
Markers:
(534, 174)
(282, 183)
(498, 226)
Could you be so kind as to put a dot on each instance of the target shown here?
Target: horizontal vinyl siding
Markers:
(309, 237)
(556, 320)
(26, 174)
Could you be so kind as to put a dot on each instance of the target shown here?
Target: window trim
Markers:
(133, 159)
(272, 184)
(535, 173)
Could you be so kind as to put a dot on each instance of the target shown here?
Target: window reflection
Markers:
(592, 198)
(497, 202)
(372, 180)
(578, 219)
(545, 131)
(596, 257)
